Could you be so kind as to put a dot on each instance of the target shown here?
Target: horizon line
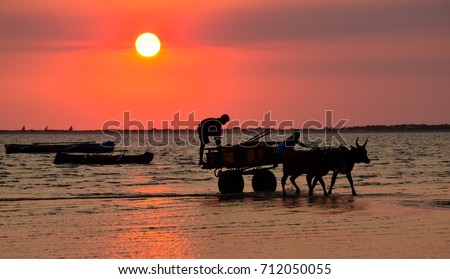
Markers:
(367, 127)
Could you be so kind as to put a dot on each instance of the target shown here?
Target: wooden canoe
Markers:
(75, 147)
(103, 159)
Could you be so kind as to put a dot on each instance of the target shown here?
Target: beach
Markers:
(403, 224)
(172, 208)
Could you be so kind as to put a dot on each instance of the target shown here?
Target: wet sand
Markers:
(404, 221)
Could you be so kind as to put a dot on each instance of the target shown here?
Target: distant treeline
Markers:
(399, 128)
(368, 128)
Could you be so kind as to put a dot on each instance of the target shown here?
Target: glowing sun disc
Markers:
(147, 44)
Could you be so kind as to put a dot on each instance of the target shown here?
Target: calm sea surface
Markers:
(172, 209)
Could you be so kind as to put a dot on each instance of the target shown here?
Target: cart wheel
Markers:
(264, 181)
(231, 182)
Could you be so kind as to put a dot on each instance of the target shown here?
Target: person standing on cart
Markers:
(210, 127)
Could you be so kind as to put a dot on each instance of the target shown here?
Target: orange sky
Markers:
(73, 62)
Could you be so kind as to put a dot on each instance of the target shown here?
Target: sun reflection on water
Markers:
(155, 230)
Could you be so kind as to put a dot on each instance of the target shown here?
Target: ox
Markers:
(317, 163)
(313, 163)
(344, 163)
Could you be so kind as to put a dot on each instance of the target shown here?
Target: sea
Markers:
(172, 207)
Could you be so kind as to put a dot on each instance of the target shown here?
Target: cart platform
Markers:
(241, 156)
(252, 157)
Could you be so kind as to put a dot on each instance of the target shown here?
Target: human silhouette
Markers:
(210, 127)
(288, 144)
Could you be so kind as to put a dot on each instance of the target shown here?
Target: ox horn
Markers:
(357, 144)
(364, 145)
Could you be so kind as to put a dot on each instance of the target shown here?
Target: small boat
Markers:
(78, 147)
(103, 159)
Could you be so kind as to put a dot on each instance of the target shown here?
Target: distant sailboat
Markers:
(23, 128)
(70, 129)
(46, 128)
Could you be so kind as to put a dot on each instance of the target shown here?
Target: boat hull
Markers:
(98, 159)
(105, 147)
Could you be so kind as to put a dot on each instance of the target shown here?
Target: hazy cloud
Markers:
(44, 31)
(296, 21)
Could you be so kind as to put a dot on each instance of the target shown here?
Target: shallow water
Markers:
(171, 208)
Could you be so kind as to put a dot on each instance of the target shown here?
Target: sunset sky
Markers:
(73, 63)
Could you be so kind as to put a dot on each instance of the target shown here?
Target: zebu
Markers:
(313, 163)
(317, 163)
(346, 160)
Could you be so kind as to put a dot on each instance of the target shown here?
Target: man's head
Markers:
(224, 119)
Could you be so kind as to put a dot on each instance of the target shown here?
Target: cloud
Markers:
(42, 31)
(295, 21)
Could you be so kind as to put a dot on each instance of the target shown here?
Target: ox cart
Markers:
(252, 157)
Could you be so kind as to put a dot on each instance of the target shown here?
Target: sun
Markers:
(147, 44)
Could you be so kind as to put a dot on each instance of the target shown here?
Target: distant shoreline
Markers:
(368, 129)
